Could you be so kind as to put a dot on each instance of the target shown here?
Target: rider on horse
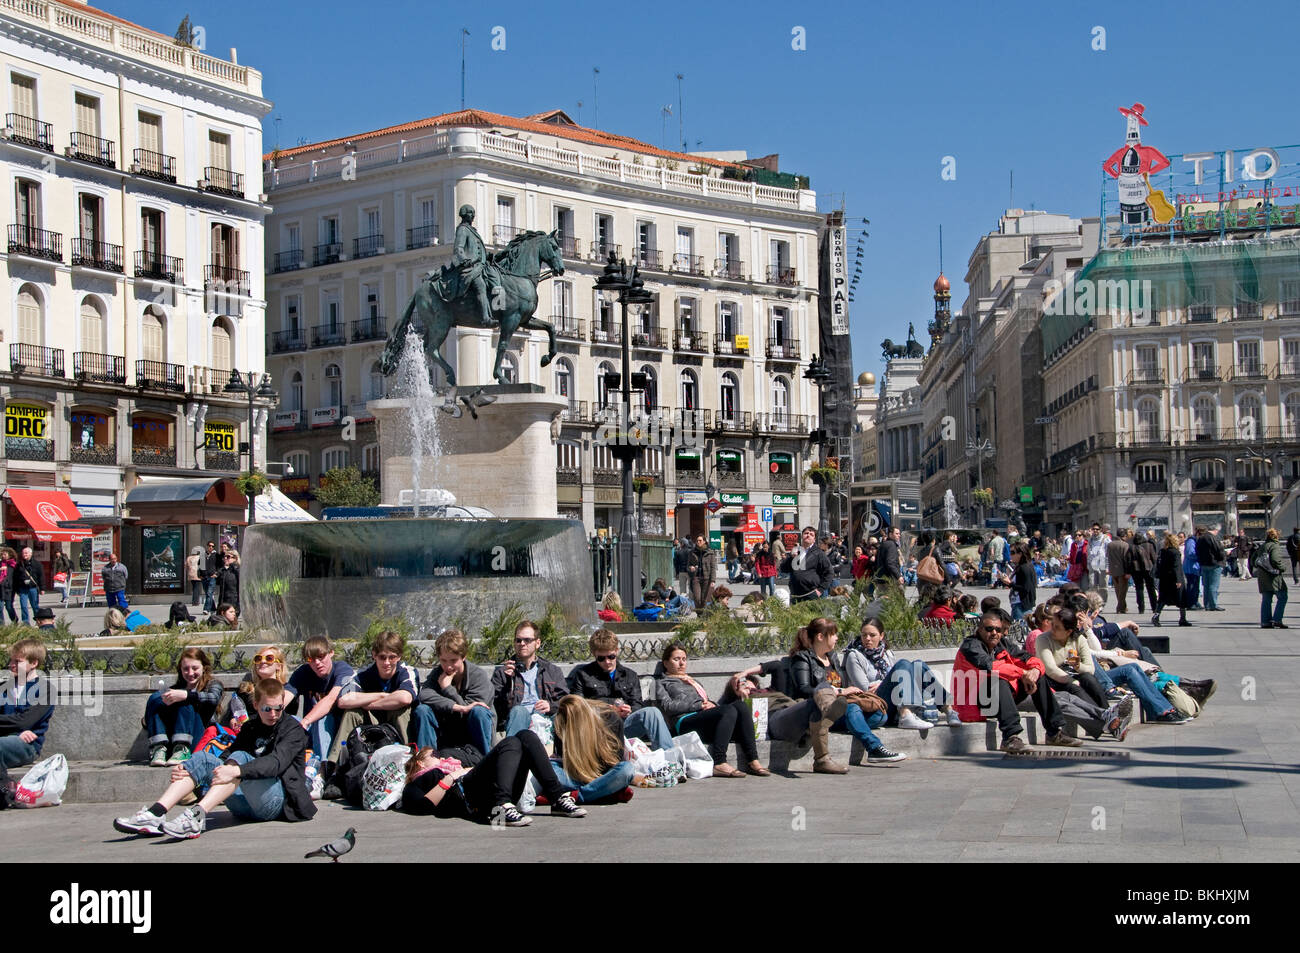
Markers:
(470, 265)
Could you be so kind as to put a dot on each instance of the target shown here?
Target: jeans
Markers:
(474, 727)
(910, 683)
(649, 725)
(611, 782)
(520, 717)
(1266, 599)
(209, 604)
(25, 596)
(1210, 577)
(857, 723)
(8, 603)
(196, 591)
(321, 733)
(1135, 680)
(1144, 584)
(14, 752)
(259, 800)
(766, 585)
(116, 599)
(179, 723)
(721, 725)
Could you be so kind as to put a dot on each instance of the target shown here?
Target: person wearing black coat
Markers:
(1141, 561)
(1024, 583)
(227, 584)
(1169, 572)
(809, 568)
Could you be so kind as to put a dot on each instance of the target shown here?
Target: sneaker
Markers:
(566, 806)
(158, 756)
(931, 715)
(180, 754)
(954, 719)
(1155, 620)
(915, 724)
(141, 822)
(1014, 745)
(1119, 728)
(507, 815)
(190, 823)
(1062, 740)
(1125, 706)
(883, 755)
(1280, 625)
(1172, 717)
(1184, 622)
(331, 792)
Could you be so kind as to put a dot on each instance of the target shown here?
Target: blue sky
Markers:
(882, 93)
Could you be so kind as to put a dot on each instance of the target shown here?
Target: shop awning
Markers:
(274, 507)
(155, 490)
(44, 510)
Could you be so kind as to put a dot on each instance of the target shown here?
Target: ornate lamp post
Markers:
(621, 282)
(264, 391)
(978, 449)
(820, 375)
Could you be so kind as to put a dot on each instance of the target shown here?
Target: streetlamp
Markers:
(264, 391)
(622, 282)
(978, 449)
(820, 375)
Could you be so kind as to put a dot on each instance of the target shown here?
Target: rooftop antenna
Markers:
(1011, 190)
(277, 130)
(595, 102)
(664, 113)
(463, 33)
(579, 112)
(681, 137)
(941, 249)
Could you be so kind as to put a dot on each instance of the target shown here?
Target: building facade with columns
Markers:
(731, 264)
(132, 265)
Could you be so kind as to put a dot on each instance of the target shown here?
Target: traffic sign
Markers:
(767, 514)
(714, 505)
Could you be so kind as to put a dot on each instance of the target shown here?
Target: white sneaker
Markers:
(189, 824)
(916, 724)
(954, 720)
(141, 822)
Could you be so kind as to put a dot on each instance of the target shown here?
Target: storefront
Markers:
(27, 432)
(173, 516)
(32, 517)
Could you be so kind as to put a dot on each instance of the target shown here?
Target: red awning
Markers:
(43, 509)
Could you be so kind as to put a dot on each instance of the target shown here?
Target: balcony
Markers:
(687, 418)
(159, 375)
(283, 342)
(1208, 484)
(569, 247)
(287, 260)
(329, 335)
(422, 236)
(1151, 486)
(88, 366)
(1246, 309)
(600, 251)
(568, 476)
(1144, 437)
(729, 269)
(649, 259)
(32, 359)
(568, 328)
(88, 148)
(105, 456)
(781, 275)
(611, 334)
(782, 423)
(374, 328)
(223, 181)
(1251, 371)
(35, 243)
(98, 255)
(1251, 482)
(783, 349)
(220, 460)
(690, 479)
(650, 338)
(503, 234)
(150, 264)
(1201, 314)
(154, 165)
(1289, 368)
(692, 265)
(29, 131)
(328, 253)
(226, 279)
(1201, 372)
(29, 448)
(782, 481)
(576, 412)
(735, 421)
(726, 344)
(1147, 377)
(368, 246)
(604, 477)
(151, 455)
(691, 342)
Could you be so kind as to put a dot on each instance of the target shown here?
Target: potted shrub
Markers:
(253, 483)
(982, 497)
(642, 484)
(823, 474)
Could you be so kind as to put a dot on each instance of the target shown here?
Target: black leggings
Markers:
(1086, 687)
(720, 726)
(500, 777)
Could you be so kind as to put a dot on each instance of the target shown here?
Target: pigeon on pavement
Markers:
(336, 849)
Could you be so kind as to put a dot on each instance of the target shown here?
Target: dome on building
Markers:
(867, 379)
(942, 284)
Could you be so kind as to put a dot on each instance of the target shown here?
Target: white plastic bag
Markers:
(643, 759)
(782, 593)
(541, 726)
(44, 784)
(693, 756)
(385, 777)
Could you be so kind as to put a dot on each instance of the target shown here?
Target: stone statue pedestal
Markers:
(503, 462)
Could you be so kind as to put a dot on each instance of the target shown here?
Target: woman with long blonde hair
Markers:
(589, 755)
(268, 662)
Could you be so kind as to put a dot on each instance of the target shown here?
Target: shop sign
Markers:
(733, 499)
(785, 499)
(324, 416)
(162, 557)
(219, 436)
(286, 419)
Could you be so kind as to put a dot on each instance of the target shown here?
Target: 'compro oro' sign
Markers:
(219, 436)
(26, 420)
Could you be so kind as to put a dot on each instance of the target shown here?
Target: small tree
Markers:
(345, 486)
(185, 32)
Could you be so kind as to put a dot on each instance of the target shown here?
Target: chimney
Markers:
(234, 58)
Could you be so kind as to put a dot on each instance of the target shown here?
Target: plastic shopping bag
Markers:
(693, 756)
(44, 784)
(643, 759)
(385, 777)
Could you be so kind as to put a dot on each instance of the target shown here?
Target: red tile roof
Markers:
(537, 123)
(96, 11)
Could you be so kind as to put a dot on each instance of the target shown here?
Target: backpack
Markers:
(364, 741)
(1183, 703)
(1263, 561)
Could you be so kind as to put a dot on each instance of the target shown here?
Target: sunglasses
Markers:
(388, 658)
(993, 628)
(270, 708)
(607, 658)
(524, 641)
(265, 659)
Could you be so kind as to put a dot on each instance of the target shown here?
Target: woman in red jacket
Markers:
(861, 564)
(764, 569)
(942, 608)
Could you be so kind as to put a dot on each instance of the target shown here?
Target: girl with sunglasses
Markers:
(268, 662)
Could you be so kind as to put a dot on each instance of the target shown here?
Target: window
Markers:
(1250, 418)
(1290, 300)
(690, 390)
(568, 456)
(221, 349)
(1204, 363)
(1149, 475)
(225, 250)
(562, 299)
(564, 380)
(604, 394)
(292, 316)
(651, 387)
(604, 235)
(1291, 356)
(330, 317)
(333, 390)
(728, 320)
(329, 230)
(376, 389)
(335, 459)
(1246, 300)
(780, 399)
(778, 254)
(729, 252)
(219, 151)
(605, 317)
(1148, 416)
(1291, 415)
(92, 327)
(1205, 417)
(149, 133)
(1148, 362)
(89, 221)
(1207, 474)
(729, 397)
(509, 370)
(151, 234)
(370, 301)
(28, 207)
(564, 228)
(294, 399)
(686, 315)
(1201, 305)
(684, 259)
(647, 253)
(153, 340)
(370, 221)
(505, 225)
(30, 321)
(87, 116)
(370, 458)
(22, 93)
(779, 332)
(299, 461)
(1248, 358)
(429, 213)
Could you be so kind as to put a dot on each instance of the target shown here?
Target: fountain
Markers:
(950, 516)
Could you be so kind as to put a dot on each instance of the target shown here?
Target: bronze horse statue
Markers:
(513, 297)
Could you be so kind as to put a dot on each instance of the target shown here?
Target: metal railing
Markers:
(576, 411)
(734, 421)
(159, 375)
(220, 460)
(422, 236)
(782, 423)
(90, 148)
(368, 245)
(223, 181)
(227, 276)
(150, 264)
(568, 327)
(502, 234)
(782, 481)
(34, 359)
(1144, 438)
(602, 477)
(1147, 376)
(329, 335)
(1246, 309)
(649, 258)
(35, 243)
(785, 349)
(30, 448)
(29, 131)
(1251, 371)
(611, 334)
(599, 251)
(729, 268)
(569, 247)
(92, 254)
(652, 337)
(692, 342)
(692, 418)
(327, 253)
(1202, 372)
(1152, 486)
(777, 275)
(282, 341)
(103, 455)
(370, 329)
(288, 260)
(726, 344)
(155, 165)
(98, 368)
(150, 455)
(569, 476)
(690, 478)
(689, 264)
